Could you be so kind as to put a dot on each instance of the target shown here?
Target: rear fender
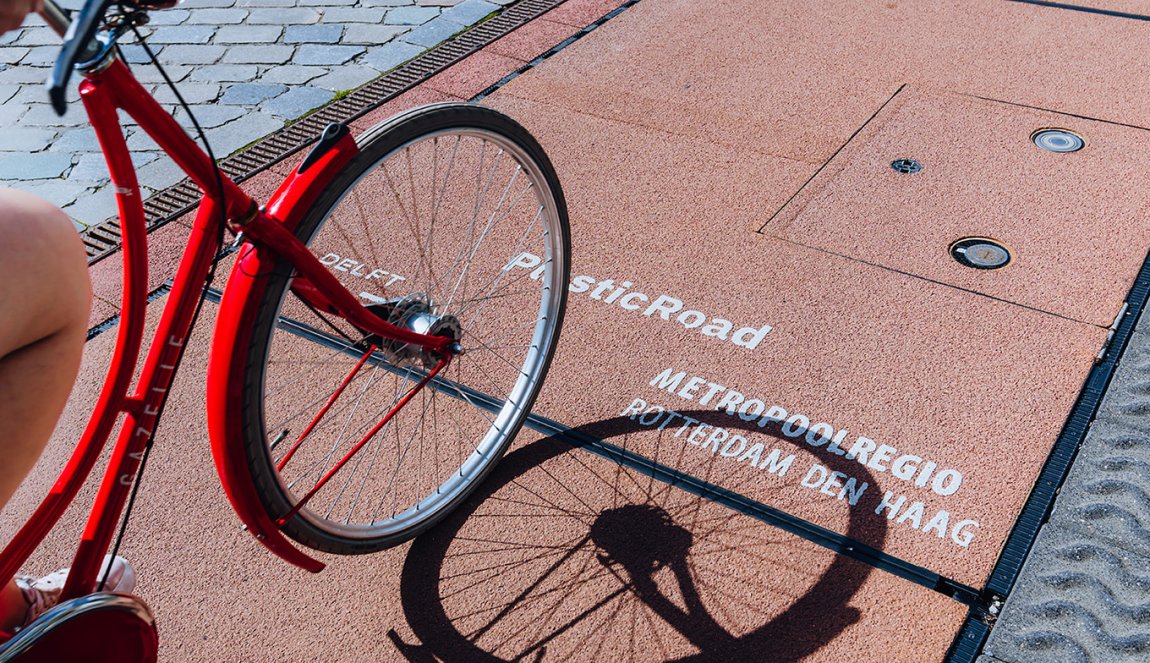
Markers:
(245, 288)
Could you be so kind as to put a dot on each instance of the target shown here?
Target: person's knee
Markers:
(43, 265)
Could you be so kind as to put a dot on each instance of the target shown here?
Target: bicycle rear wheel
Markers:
(451, 219)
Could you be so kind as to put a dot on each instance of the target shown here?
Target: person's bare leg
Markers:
(44, 301)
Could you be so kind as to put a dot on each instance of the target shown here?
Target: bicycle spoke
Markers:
(424, 229)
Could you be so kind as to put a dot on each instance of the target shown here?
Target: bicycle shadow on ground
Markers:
(539, 565)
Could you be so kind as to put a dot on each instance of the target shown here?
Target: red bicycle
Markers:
(374, 352)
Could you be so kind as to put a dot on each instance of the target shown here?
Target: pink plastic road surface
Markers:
(760, 301)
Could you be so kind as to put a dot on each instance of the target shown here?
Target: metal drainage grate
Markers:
(1058, 140)
(906, 166)
(164, 206)
(980, 253)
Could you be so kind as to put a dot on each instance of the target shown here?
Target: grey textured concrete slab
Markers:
(1107, 494)
(1079, 600)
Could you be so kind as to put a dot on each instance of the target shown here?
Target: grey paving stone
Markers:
(138, 141)
(42, 115)
(57, 191)
(433, 32)
(266, 3)
(248, 94)
(196, 4)
(150, 74)
(182, 34)
(135, 54)
(313, 34)
(90, 167)
(234, 135)
(292, 74)
(39, 37)
(323, 54)
(193, 53)
(161, 173)
(391, 55)
(357, 15)
(24, 75)
(94, 207)
(347, 77)
(26, 139)
(296, 102)
(9, 113)
(30, 94)
(438, 3)
(1077, 600)
(218, 16)
(410, 15)
(225, 73)
(326, 3)
(469, 11)
(12, 55)
(18, 166)
(248, 34)
(7, 92)
(168, 17)
(386, 3)
(193, 93)
(271, 54)
(375, 35)
(81, 139)
(210, 116)
(41, 55)
(10, 37)
(286, 16)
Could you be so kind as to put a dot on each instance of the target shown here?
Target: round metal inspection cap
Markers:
(1058, 140)
(980, 253)
(906, 166)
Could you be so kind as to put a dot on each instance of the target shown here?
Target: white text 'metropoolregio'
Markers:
(664, 307)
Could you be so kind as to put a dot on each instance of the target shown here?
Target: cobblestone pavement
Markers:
(246, 67)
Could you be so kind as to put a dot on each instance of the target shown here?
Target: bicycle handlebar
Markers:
(79, 44)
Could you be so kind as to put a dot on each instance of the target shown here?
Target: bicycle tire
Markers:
(376, 234)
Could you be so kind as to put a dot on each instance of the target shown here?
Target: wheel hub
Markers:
(415, 313)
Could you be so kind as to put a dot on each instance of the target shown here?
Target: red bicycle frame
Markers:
(110, 87)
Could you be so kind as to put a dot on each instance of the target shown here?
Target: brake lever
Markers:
(80, 45)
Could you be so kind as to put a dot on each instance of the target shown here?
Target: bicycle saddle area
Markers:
(850, 288)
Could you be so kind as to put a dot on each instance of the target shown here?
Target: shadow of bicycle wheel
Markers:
(562, 555)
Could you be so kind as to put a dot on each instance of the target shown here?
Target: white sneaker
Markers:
(44, 593)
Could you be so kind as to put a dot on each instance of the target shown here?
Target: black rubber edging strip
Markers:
(972, 636)
(1085, 10)
(555, 49)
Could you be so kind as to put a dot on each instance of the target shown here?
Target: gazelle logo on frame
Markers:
(663, 306)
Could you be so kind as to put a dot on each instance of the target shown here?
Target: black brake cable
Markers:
(203, 292)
